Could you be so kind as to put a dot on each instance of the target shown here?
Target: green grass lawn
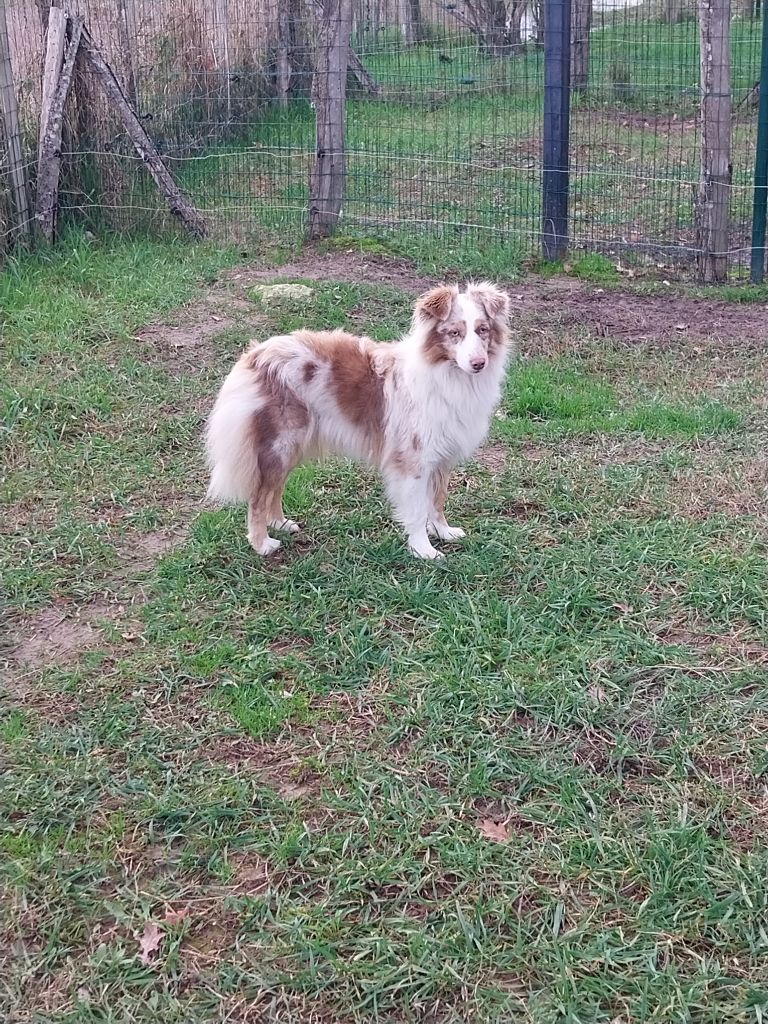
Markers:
(528, 784)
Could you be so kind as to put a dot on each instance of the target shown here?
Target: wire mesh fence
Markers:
(443, 121)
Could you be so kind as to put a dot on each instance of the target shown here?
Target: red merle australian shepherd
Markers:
(414, 408)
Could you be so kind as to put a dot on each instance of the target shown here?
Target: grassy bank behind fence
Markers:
(449, 157)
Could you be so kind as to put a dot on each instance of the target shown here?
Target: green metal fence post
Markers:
(757, 264)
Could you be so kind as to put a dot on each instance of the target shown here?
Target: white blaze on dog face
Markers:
(465, 326)
(471, 353)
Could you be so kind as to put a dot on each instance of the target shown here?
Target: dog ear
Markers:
(437, 304)
(494, 301)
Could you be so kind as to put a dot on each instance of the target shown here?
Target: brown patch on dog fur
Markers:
(404, 463)
(437, 346)
(440, 480)
(281, 412)
(359, 389)
(494, 301)
(498, 338)
(437, 303)
(416, 443)
(356, 379)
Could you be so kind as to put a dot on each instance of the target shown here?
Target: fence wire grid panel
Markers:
(443, 121)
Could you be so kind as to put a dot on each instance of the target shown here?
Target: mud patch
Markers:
(540, 307)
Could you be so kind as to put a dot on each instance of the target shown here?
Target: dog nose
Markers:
(477, 364)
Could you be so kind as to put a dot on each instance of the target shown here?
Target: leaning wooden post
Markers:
(10, 114)
(326, 186)
(712, 207)
(179, 203)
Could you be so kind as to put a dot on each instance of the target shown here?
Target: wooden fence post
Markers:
(49, 167)
(54, 58)
(760, 208)
(712, 213)
(326, 186)
(10, 115)
(283, 52)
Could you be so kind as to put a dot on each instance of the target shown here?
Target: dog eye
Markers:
(482, 329)
(453, 333)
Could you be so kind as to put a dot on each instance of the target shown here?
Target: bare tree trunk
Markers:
(326, 187)
(283, 49)
(411, 22)
(714, 187)
(221, 47)
(581, 26)
(540, 17)
(127, 31)
(493, 28)
(10, 117)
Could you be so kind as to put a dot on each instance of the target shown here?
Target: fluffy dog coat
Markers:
(414, 408)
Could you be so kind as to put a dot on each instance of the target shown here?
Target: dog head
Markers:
(468, 328)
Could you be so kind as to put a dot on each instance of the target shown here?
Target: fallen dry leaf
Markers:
(176, 916)
(150, 941)
(625, 609)
(597, 693)
(496, 831)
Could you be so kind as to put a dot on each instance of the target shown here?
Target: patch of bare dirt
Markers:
(549, 304)
(493, 457)
(54, 637)
(660, 123)
(186, 347)
(341, 265)
(739, 488)
(59, 636)
(741, 648)
(144, 549)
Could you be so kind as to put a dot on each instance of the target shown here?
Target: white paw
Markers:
(446, 532)
(267, 547)
(285, 525)
(425, 551)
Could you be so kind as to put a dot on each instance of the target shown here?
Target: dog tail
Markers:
(232, 455)
(231, 438)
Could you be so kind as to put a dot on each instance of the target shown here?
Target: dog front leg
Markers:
(411, 500)
(438, 525)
